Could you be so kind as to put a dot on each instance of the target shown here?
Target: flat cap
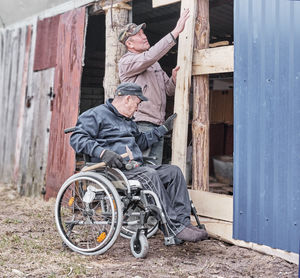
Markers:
(130, 30)
(132, 89)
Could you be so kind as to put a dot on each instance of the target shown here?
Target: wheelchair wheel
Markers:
(139, 245)
(132, 220)
(88, 213)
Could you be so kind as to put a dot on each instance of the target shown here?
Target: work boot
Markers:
(189, 235)
(197, 229)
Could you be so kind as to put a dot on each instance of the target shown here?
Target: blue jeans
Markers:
(155, 152)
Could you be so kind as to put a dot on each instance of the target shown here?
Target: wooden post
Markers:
(200, 126)
(183, 85)
(117, 16)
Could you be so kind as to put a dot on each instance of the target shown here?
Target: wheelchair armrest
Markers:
(135, 183)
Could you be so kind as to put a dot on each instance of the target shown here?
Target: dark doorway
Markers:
(92, 92)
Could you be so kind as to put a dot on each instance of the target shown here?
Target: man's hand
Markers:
(112, 159)
(181, 23)
(168, 124)
(174, 73)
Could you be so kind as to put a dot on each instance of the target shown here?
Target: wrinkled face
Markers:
(138, 43)
(132, 104)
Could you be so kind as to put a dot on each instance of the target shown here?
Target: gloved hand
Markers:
(112, 159)
(168, 124)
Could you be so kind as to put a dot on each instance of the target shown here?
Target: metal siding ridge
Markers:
(266, 123)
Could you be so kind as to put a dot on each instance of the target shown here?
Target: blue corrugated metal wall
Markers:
(267, 122)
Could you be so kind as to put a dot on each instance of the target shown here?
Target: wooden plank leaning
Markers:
(183, 84)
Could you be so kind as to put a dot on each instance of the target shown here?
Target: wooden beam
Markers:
(115, 18)
(216, 213)
(183, 84)
(200, 125)
(120, 5)
(159, 3)
(222, 230)
(212, 205)
(215, 3)
(220, 43)
(213, 60)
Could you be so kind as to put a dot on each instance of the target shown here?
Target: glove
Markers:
(112, 159)
(168, 124)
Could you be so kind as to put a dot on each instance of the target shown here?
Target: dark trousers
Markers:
(156, 150)
(168, 182)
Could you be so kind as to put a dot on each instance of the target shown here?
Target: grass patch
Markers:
(12, 221)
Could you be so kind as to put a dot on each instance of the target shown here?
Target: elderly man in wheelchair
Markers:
(127, 197)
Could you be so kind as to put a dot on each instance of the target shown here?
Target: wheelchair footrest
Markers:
(171, 240)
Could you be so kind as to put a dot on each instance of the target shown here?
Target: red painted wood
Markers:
(46, 43)
(61, 157)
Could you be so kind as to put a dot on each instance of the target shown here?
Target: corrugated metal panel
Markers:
(46, 43)
(13, 66)
(267, 122)
(61, 158)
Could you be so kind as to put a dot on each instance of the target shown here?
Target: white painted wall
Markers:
(13, 11)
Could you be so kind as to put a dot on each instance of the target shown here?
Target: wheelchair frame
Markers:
(93, 207)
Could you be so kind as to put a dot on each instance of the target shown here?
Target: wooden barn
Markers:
(239, 74)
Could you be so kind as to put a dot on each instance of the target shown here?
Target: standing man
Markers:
(140, 65)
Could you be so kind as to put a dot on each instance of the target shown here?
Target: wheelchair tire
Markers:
(88, 213)
(139, 246)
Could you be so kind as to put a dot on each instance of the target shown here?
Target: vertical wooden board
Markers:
(200, 128)
(30, 105)
(34, 158)
(3, 45)
(114, 49)
(21, 107)
(183, 84)
(61, 157)
(12, 70)
(8, 66)
(46, 43)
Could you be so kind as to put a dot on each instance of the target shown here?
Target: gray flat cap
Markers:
(131, 89)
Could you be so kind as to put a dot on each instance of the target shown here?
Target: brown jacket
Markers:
(143, 69)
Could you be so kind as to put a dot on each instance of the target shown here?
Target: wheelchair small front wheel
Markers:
(139, 245)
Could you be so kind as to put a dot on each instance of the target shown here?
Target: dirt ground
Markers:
(31, 247)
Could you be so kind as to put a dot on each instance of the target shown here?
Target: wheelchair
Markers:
(94, 207)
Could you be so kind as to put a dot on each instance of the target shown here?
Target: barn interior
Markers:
(161, 21)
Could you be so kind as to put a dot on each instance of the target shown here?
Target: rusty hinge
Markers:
(51, 95)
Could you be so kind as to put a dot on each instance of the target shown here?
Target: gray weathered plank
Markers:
(12, 67)
(34, 157)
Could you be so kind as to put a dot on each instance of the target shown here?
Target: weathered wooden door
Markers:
(14, 59)
(61, 157)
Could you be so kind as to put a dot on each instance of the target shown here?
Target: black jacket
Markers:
(103, 127)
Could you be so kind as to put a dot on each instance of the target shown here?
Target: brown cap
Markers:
(130, 30)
